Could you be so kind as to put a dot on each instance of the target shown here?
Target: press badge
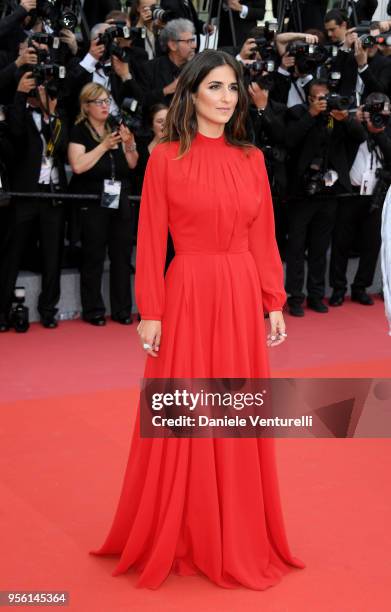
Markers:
(368, 183)
(111, 193)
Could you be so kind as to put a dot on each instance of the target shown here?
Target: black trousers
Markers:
(311, 222)
(24, 214)
(104, 230)
(354, 217)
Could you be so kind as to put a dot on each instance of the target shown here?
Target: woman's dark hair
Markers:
(155, 108)
(181, 122)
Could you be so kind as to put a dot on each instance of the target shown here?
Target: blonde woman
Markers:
(101, 159)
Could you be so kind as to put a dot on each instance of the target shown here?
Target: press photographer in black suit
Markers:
(38, 133)
(321, 142)
(359, 216)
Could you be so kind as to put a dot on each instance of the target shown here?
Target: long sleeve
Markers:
(263, 246)
(152, 238)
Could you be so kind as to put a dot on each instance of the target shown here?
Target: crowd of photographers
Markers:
(81, 113)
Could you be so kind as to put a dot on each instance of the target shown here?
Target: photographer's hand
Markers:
(360, 54)
(26, 83)
(96, 50)
(248, 48)
(287, 61)
(69, 38)
(350, 37)
(29, 5)
(259, 96)
(121, 69)
(26, 56)
(126, 135)
(317, 106)
(111, 141)
(235, 5)
(170, 89)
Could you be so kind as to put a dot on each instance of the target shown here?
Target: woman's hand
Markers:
(111, 141)
(150, 333)
(277, 328)
(126, 135)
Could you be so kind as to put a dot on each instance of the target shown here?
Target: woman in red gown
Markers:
(205, 505)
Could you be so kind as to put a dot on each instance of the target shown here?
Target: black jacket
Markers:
(242, 27)
(95, 11)
(308, 138)
(158, 73)
(28, 146)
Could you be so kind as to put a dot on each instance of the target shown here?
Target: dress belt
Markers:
(226, 252)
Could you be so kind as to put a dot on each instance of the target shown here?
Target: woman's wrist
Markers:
(130, 147)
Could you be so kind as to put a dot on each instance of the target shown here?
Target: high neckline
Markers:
(210, 139)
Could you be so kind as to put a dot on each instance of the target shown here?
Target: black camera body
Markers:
(307, 56)
(130, 115)
(376, 112)
(59, 14)
(314, 177)
(337, 102)
(19, 316)
(382, 185)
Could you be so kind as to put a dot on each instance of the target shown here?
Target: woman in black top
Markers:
(101, 161)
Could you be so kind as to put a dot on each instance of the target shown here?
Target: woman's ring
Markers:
(146, 345)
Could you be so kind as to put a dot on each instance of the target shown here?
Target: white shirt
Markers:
(48, 173)
(297, 93)
(363, 162)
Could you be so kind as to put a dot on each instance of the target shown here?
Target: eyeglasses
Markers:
(103, 102)
(189, 41)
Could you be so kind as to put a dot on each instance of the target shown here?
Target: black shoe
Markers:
(296, 310)
(99, 321)
(362, 297)
(49, 322)
(337, 298)
(317, 305)
(126, 320)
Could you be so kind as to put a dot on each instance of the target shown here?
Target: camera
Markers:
(58, 13)
(265, 42)
(130, 115)
(159, 14)
(118, 30)
(308, 56)
(19, 316)
(314, 177)
(337, 102)
(376, 112)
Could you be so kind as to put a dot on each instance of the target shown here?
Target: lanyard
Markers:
(112, 160)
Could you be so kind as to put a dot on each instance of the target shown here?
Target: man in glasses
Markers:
(178, 42)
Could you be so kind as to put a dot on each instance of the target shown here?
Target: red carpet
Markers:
(67, 406)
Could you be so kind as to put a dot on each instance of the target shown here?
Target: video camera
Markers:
(130, 115)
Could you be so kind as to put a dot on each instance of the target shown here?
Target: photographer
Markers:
(320, 137)
(101, 156)
(267, 126)
(12, 26)
(39, 136)
(360, 214)
(244, 17)
(184, 9)
(178, 42)
(100, 67)
(141, 17)
(344, 38)
(374, 69)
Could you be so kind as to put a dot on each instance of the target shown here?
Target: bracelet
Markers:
(131, 148)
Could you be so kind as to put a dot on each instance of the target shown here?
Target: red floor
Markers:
(67, 405)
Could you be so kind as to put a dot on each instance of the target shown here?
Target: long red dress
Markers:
(207, 505)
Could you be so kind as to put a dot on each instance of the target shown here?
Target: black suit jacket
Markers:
(158, 73)
(242, 27)
(312, 13)
(306, 137)
(28, 146)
